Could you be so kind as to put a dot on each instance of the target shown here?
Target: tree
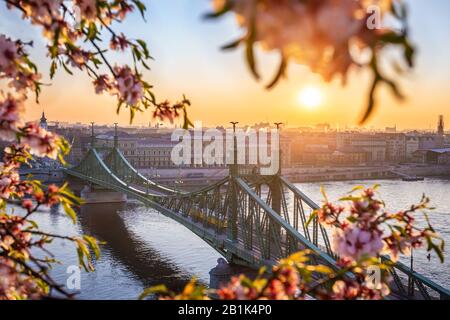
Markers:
(72, 30)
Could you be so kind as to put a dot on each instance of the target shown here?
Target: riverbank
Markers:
(323, 174)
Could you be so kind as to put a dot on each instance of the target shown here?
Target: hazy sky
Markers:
(188, 60)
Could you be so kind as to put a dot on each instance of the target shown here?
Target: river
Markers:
(143, 248)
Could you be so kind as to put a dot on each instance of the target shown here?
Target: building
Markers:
(305, 143)
(43, 122)
(395, 146)
(441, 129)
(412, 145)
(350, 156)
(391, 129)
(373, 144)
(433, 156)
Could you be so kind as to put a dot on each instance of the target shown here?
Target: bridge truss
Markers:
(251, 220)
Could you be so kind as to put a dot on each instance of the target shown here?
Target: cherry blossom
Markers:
(127, 86)
(102, 84)
(331, 37)
(8, 55)
(88, 9)
(41, 142)
(11, 110)
(355, 243)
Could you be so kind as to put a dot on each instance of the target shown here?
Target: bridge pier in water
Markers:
(96, 194)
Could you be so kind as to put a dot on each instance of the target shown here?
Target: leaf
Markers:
(186, 121)
(249, 51)
(92, 242)
(119, 106)
(432, 246)
(190, 287)
(350, 198)
(143, 45)
(311, 218)
(232, 45)
(153, 290)
(324, 193)
(67, 69)
(53, 68)
(70, 212)
(226, 7)
(371, 103)
(81, 259)
(409, 53)
(394, 88)
(141, 7)
(280, 73)
(92, 31)
(357, 188)
(320, 269)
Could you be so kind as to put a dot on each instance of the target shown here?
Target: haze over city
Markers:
(188, 61)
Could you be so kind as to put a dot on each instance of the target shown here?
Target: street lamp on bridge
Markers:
(278, 125)
(116, 136)
(234, 125)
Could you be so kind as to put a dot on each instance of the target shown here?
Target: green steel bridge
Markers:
(250, 219)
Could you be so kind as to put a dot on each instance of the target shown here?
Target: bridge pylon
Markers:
(232, 217)
(92, 135)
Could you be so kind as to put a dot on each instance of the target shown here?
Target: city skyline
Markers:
(313, 127)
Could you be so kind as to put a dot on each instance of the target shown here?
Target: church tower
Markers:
(441, 125)
(43, 122)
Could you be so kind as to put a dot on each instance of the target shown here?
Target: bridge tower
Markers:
(92, 135)
(116, 136)
(233, 212)
(275, 184)
(116, 146)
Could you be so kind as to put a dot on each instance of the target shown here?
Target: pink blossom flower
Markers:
(102, 84)
(11, 109)
(78, 58)
(88, 9)
(14, 285)
(119, 42)
(42, 12)
(24, 81)
(354, 243)
(314, 33)
(128, 86)
(8, 182)
(343, 290)
(8, 55)
(41, 142)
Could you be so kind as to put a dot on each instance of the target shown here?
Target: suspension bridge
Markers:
(250, 219)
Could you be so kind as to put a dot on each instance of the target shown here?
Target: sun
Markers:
(310, 97)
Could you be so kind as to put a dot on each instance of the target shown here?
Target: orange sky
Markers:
(221, 89)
